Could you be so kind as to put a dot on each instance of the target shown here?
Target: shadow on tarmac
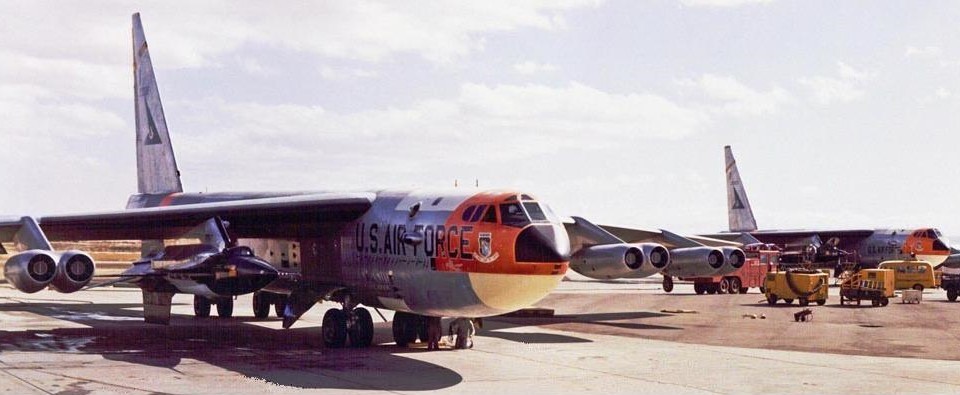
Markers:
(599, 319)
(293, 357)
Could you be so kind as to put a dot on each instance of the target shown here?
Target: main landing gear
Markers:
(349, 323)
(408, 328)
(262, 301)
(201, 306)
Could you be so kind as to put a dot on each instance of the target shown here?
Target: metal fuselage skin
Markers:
(883, 245)
(428, 253)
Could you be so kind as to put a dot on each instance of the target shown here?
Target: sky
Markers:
(840, 114)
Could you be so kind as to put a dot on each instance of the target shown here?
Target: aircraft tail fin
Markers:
(739, 212)
(157, 171)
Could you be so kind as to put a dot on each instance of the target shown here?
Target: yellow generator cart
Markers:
(875, 285)
(804, 285)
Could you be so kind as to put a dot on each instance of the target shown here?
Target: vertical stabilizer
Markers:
(739, 212)
(157, 171)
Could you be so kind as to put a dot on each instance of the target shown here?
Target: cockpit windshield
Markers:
(521, 214)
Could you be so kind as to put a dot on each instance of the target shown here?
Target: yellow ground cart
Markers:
(875, 285)
(804, 285)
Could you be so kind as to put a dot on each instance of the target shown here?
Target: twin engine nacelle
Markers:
(704, 261)
(610, 261)
(33, 270)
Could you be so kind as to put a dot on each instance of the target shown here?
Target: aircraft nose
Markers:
(543, 243)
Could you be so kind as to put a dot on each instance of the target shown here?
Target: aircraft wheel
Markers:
(225, 308)
(280, 306)
(724, 286)
(952, 295)
(334, 328)
(667, 284)
(405, 328)
(699, 288)
(803, 302)
(772, 299)
(361, 335)
(201, 306)
(735, 286)
(261, 305)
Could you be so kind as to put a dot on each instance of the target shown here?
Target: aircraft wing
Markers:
(292, 216)
(666, 238)
(786, 236)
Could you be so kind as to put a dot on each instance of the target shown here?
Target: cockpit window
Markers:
(931, 234)
(511, 214)
(533, 209)
(491, 215)
(468, 213)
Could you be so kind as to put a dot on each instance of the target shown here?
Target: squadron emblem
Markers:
(486, 254)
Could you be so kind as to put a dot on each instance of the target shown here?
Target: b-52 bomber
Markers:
(420, 253)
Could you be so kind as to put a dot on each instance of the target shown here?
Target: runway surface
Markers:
(606, 337)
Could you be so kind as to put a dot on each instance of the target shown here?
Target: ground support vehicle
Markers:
(750, 275)
(950, 281)
(912, 274)
(804, 285)
(875, 285)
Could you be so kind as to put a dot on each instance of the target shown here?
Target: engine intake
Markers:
(30, 271)
(696, 262)
(607, 261)
(734, 258)
(74, 271)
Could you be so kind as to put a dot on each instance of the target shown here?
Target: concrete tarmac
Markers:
(607, 338)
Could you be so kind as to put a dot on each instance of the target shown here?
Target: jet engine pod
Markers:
(734, 259)
(695, 262)
(607, 261)
(74, 271)
(31, 271)
(655, 258)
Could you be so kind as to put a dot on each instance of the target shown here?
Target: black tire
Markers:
(772, 299)
(422, 329)
(361, 335)
(735, 286)
(261, 305)
(763, 289)
(788, 301)
(225, 308)
(918, 287)
(803, 301)
(667, 284)
(821, 302)
(280, 306)
(334, 328)
(884, 302)
(699, 289)
(875, 302)
(404, 328)
(723, 287)
(711, 289)
(952, 295)
(201, 306)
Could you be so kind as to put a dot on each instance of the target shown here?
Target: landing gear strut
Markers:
(353, 323)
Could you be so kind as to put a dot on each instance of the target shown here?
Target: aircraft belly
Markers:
(193, 288)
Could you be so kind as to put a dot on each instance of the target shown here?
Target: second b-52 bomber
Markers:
(421, 253)
(866, 247)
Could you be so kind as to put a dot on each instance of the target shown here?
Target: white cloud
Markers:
(726, 95)
(344, 74)
(722, 3)
(530, 67)
(848, 87)
(943, 93)
(929, 51)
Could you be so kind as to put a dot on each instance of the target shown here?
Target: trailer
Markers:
(755, 268)
(875, 285)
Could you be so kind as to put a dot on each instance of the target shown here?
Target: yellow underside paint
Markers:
(510, 292)
(933, 259)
